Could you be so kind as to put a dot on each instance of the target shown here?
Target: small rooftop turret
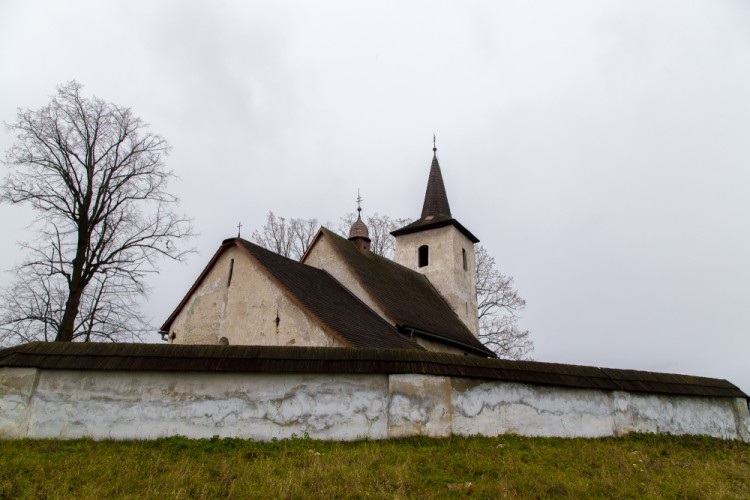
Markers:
(359, 235)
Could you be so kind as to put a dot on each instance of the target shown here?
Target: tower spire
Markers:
(435, 198)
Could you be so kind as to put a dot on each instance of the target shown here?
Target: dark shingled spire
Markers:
(435, 199)
(435, 212)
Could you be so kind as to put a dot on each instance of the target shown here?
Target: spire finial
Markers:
(239, 229)
(434, 143)
(359, 234)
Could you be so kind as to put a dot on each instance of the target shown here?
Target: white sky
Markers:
(600, 150)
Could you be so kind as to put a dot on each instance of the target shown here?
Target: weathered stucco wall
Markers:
(16, 388)
(445, 267)
(145, 405)
(249, 309)
(440, 347)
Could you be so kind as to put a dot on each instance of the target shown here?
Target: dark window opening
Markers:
(231, 270)
(463, 254)
(423, 255)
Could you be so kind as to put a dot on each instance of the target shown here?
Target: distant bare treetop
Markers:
(498, 305)
(289, 237)
(380, 227)
(95, 176)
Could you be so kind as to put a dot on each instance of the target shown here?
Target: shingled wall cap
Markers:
(336, 360)
(435, 198)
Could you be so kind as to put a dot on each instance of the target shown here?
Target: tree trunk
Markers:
(77, 284)
(67, 325)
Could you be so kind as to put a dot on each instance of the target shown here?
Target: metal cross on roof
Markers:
(239, 228)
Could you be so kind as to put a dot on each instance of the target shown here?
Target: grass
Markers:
(637, 466)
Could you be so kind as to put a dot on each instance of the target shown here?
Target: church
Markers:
(341, 294)
(342, 345)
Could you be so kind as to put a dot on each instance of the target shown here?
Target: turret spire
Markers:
(435, 199)
(358, 233)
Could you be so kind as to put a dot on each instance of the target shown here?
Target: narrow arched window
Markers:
(463, 256)
(423, 255)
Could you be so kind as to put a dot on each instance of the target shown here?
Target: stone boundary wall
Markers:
(121, 404)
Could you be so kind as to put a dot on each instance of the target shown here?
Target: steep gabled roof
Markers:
(321, 296)
(406, 296)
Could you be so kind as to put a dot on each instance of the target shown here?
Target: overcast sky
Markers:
(600, 150)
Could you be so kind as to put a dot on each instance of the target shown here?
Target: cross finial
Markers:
(434, 143)
(359, 202)
(239, 229)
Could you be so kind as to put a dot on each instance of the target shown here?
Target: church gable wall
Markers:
(323, 255)
(247, 309)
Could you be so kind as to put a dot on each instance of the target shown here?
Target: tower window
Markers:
(424, 250)
(463, 256)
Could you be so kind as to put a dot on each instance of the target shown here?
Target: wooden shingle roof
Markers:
(435, 198)
(406, 296)
(286, 359)
(436, 211)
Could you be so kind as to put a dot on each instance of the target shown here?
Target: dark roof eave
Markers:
(482, 352)
(422, 225)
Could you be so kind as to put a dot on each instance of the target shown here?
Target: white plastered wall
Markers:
(249, 310)
(145, 405)
(445, 268)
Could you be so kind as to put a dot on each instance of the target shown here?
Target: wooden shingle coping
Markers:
(287, 359)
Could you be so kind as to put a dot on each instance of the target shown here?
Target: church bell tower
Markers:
(439, 247)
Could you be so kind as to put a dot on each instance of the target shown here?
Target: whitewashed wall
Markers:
(144, 405)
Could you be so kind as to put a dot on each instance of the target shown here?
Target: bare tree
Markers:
(97, 181)
(498, 305)
(286, 236)
(380, 228)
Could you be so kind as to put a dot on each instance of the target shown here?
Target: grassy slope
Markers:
(509, 466)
